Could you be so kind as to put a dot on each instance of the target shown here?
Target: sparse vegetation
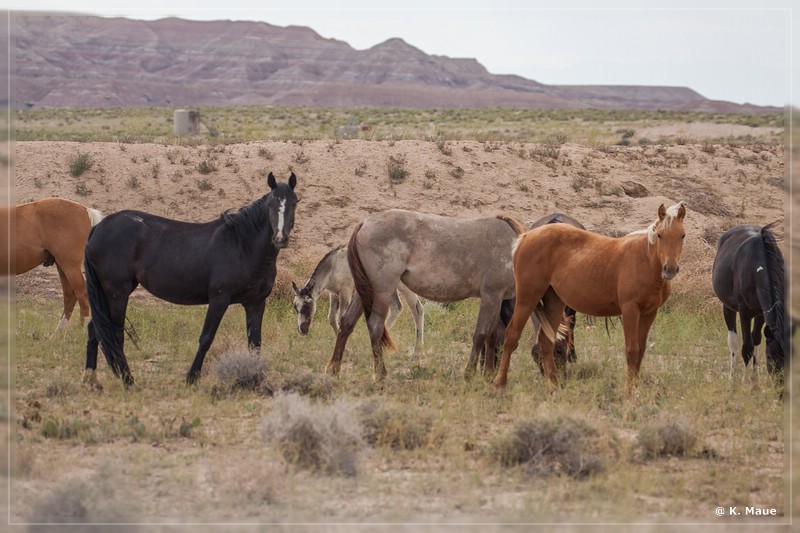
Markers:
(397, 168)
(80, 163)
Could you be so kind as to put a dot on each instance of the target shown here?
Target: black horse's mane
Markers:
(775, 269)
(249, 219)
(309, 284)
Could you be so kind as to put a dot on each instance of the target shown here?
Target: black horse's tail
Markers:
(104, 329)
(364, 286)
(774, 310)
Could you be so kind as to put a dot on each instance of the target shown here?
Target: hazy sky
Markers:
(736, 50)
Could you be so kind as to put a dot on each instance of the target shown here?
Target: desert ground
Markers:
(611, 189)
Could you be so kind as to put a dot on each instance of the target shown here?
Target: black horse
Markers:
(747, 277)
(226, 261)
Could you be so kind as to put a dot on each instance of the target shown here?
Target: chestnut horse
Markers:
(557, 265)
(49, 231)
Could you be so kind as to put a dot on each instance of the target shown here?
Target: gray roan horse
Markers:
(332, 274)
(440, 258)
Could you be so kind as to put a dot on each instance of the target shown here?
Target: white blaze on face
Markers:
(281, 217)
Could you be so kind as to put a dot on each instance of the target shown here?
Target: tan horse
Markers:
(49, 231)
(557, 265)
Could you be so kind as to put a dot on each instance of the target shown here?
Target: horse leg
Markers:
(573, 319)
(113, 341)
(69, 300)
(78, 288)
(645, 323)
(522, 311)
(553, 310)
(90, 372)
(335, 312)
(536, 349)
(254, 316)
(346, 325)
(418, 312)
(488, 315)
(395, 308)
(748, 347)
(733, 339)
(630, 325)
(376, 324)
(216, 310)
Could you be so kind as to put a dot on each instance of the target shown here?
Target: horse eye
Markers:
(683, 236)
(660, 236)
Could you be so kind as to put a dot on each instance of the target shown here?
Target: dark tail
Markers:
(774, 310)
(363, 285)
(104, 328)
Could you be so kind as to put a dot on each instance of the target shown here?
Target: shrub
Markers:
(240, 370)
(80, 163)
(397, 168)
(667, 436)
(395, 426)
(550, 446)
(321, 438)
(206, 167)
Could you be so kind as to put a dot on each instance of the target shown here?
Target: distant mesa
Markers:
(84, 61)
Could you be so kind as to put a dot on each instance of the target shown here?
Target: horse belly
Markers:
(438, 288)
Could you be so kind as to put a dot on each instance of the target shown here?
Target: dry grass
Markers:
(321, 438)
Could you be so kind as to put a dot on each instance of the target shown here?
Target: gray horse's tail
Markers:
(364, 286)
(104, 328)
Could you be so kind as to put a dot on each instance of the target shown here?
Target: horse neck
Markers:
(644, 250)
(321, 278)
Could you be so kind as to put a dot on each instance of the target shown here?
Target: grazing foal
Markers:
(332, 274)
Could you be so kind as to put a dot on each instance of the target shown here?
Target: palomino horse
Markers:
(332, 274)
(226, 261)
(565, 348)
(558, 264)
(747, 277)
(49, 231)
(439, 258)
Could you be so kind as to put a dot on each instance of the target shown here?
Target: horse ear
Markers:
(292, 180)
(681, 211)
(662, 212)
(296, 290)
(271, 181)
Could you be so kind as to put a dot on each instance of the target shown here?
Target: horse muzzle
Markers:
(669, 272)
(303, 327)
(280, 242)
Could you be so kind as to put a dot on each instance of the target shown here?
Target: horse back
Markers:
(734, 274)
(49, 228)
(591, 273)
(440, 258)
(176, 261)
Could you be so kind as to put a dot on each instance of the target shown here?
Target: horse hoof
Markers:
(331, 370)
(90, 379)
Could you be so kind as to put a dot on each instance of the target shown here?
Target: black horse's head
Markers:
(281, 204)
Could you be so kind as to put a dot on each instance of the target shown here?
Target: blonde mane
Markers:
(672, 213)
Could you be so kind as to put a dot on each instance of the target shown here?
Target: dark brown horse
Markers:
(45, 232)
(230, 260)
(557, 265)
(747, 277)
